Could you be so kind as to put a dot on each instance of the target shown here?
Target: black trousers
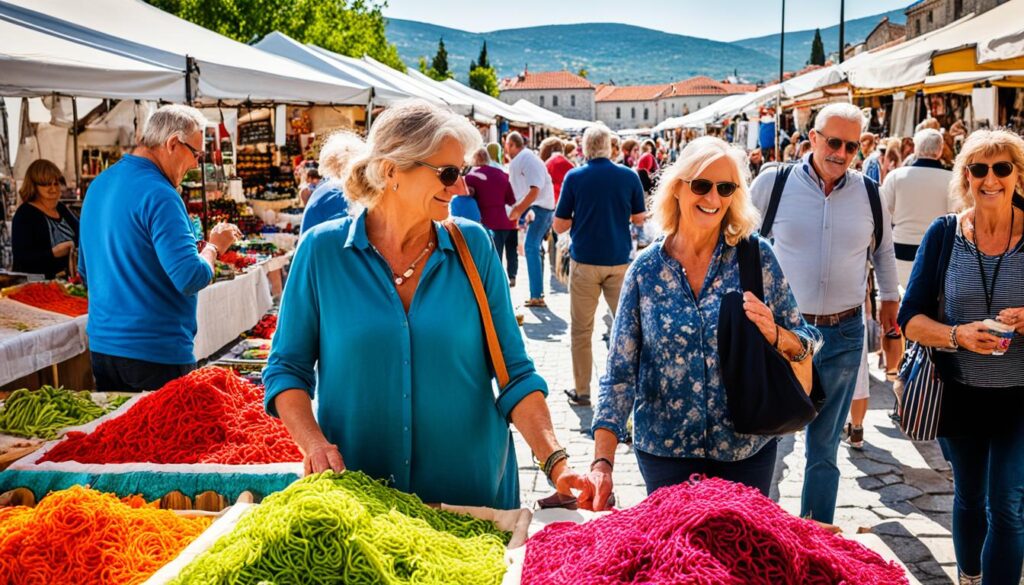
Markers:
(507, 244)
(121, 374)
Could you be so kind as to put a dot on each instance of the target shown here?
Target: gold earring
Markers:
(395, 187)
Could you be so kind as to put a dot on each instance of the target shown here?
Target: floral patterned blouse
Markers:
(663, 364)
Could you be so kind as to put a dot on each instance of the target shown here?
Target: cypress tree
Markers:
(817, 49)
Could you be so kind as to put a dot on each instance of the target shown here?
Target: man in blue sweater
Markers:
(139, 258)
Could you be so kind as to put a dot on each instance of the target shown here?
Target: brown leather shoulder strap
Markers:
(469, 265)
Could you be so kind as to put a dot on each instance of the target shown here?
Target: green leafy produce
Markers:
(349, 528)
(42, 413)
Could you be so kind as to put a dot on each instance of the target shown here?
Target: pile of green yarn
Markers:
(44, 412)
(349, 528)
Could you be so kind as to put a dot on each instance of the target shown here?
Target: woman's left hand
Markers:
(762, 316)
(1014, 317)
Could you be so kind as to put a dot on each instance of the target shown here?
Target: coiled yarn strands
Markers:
(50, 296)
(79, 535)
(704, 531)
(41, 413)
(349, 528)
(210, 415)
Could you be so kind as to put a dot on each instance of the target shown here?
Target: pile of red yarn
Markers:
(265, 328)
(208, 416)
(706, 531)
(50, 296)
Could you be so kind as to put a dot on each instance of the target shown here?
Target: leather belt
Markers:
(833, 319)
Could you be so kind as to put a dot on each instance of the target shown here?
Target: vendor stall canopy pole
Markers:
(75, 155)
(782, 78)
(192, 68)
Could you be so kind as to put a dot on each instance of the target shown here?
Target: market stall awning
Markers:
(908, 64)
(34, 63)
(228, 71)
(457, 104)
(282, 45)
(549, 118)
(964, 81)
(500, 108)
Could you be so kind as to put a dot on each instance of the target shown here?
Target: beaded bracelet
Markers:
(953, 342)
(551, 461)
(806, 344)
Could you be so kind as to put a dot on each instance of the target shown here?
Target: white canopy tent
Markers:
(282, 45)
(360, 69)
(37, 64)
(482, 111)
(457, 104)
(549, 118)
(226, 70)
(909, 63)
(507, 111)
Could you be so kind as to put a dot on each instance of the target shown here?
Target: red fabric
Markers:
(708, 531)
(647, 163)
(558, 167)
(208, 416)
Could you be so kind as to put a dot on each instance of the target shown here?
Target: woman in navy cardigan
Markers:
(44, 230)
(976, 259)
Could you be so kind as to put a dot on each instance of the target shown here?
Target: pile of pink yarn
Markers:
(702, 532)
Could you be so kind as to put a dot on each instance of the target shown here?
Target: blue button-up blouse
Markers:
(407, 397)
(663, 364)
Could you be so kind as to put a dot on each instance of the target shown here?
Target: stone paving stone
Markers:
(878, 487)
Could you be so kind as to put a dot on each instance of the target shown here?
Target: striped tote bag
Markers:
(919, 396)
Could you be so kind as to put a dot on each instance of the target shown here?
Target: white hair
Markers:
(334, 155)
(928, 143)
(173, 120)
(407, 132)
(597, 142)
(848, 112)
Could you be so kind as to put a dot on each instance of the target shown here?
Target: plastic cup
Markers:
(1001, 330)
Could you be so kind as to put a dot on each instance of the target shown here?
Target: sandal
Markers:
(536, 303)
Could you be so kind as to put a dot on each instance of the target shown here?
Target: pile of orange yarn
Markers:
(79, 535)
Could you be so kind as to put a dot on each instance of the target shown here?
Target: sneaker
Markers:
(854, 436)
(576, 399)
(536, 303)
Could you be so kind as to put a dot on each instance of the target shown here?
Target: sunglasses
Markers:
(703, 187)
(837, 143)
(1000, 169)
(50, 184)
(448, 174)
(197, 154)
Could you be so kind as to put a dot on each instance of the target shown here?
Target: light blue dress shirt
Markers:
(663, 365)
(406, 397)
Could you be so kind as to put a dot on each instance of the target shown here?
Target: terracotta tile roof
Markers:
(688, 87)
(545, 80)
(631, 93)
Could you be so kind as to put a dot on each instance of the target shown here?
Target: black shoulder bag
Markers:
(763, 394)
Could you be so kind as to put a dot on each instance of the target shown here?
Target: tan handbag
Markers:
(490, 334)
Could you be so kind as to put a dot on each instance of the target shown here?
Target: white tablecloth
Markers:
(228, 308)
(21, 353)
(285, 241)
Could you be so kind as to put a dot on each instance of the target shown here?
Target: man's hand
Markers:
(515, 214)
(223, 235)
(887, 315)
(321, 457)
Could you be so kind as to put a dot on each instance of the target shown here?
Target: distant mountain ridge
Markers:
(619, 53)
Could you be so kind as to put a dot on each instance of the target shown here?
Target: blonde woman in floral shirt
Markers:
(664, 364)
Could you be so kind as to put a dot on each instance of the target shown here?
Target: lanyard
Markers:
(990, 294)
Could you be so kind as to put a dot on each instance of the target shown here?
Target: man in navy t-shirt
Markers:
(597, 204)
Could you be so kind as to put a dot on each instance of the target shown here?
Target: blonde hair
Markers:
(40, 171)
(550, 146)
(407, 132)
(985, 143)
(740, 220)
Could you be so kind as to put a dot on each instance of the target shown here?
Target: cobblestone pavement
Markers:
(899, 490)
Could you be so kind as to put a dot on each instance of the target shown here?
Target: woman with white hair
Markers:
(380, 321)
(664, 364)
(966, 299)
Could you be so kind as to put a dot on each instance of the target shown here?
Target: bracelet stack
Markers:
(551, 461)
(953, 343)
(806, 344)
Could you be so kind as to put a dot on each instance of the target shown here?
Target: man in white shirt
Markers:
(916, 195)
(535, 192)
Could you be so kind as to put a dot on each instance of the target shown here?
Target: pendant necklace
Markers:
(985, 285)
(403, 277)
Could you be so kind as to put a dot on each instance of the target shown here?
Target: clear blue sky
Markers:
(723, 20)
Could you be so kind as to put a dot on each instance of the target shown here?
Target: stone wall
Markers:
(570, 103)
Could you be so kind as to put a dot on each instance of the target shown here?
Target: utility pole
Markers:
(782, 74)
(842, 30)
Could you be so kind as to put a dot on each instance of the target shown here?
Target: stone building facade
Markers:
(561, 92)
(645, 106)
(927, 15)
(884, 33)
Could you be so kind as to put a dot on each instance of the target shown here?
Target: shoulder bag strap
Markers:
(491, 335)
(748, 256)
(944, 255)
(781, 176)
(876, 208)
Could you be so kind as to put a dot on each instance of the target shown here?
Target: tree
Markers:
(350, 27)
(583, 72)
(484, 80)
(439, 66)
(482, 61)
(817, 49)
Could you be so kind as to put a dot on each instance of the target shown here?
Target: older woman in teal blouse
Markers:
(379, 325)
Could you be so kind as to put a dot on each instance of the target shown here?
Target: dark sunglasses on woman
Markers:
(448, 174)
(980, 170)
(703, 187)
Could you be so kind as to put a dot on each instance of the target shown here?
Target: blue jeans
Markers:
(755, 471)
(988, 486)
(837, 364)
(535, 234)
